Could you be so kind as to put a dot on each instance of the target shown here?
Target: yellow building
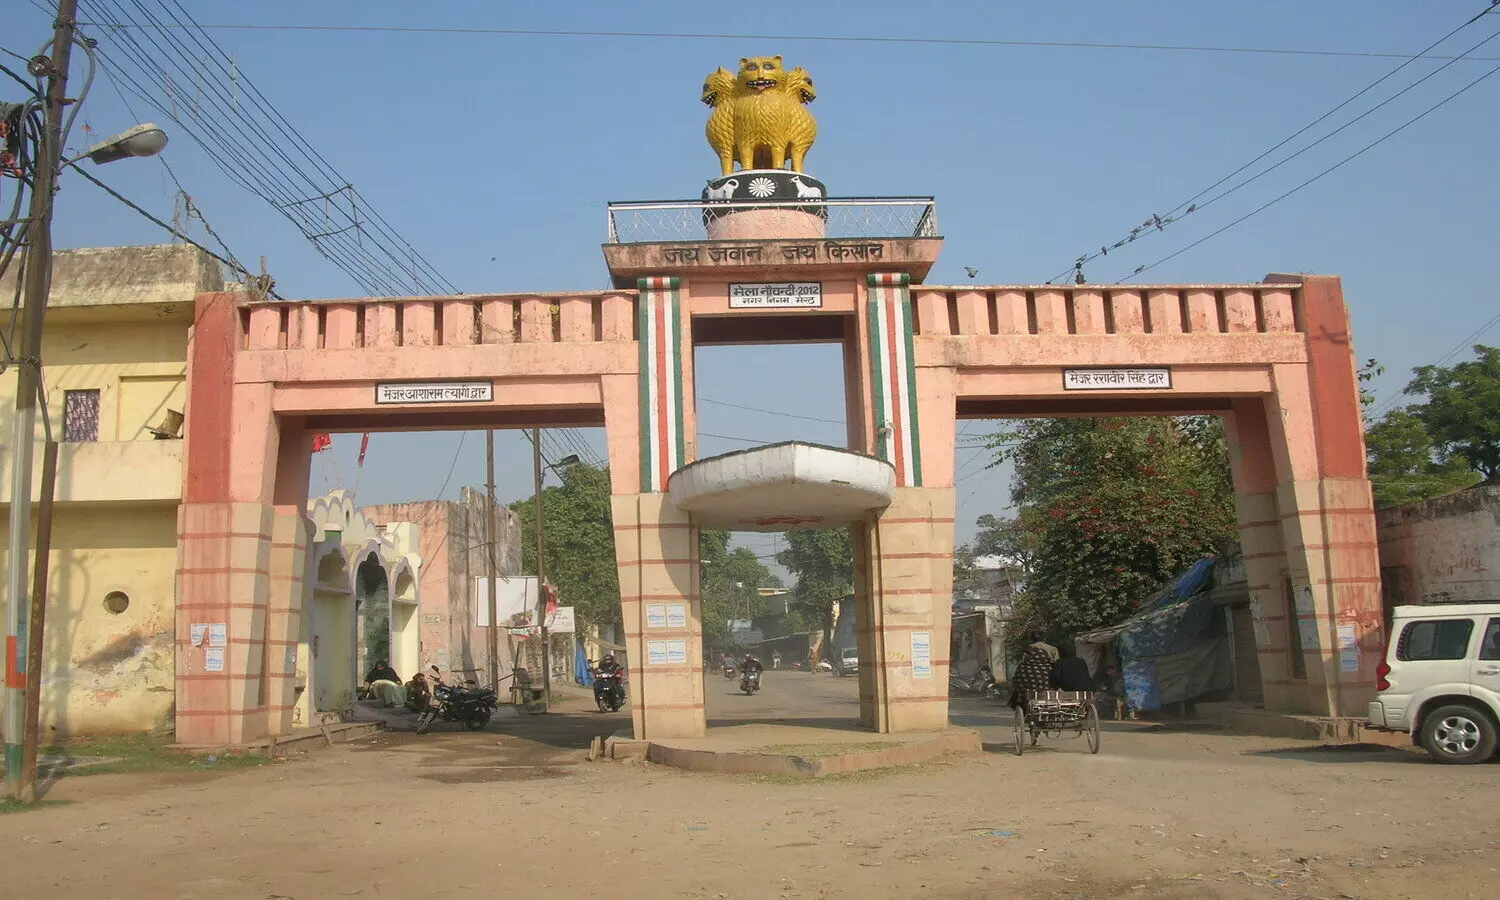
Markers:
(115, 354)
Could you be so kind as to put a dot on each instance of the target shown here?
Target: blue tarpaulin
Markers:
(1172, 648)
(583, 674)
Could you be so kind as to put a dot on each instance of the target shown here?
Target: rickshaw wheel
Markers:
(1019, 725)
(1091, 727)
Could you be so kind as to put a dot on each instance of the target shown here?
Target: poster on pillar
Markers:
(893, 376)
(663, 443)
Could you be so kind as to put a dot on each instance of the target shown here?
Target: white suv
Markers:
(1440, 680)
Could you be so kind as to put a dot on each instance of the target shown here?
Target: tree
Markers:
(580, 543)
(1404, 464)
(1008, 539)
(967, 581)
(1110, 510)
(823, 564)
(728, 582)
(1462, 412)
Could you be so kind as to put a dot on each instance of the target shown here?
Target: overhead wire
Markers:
(1385, 405)
(814, 38)
(1338, 165)
(1158, 222)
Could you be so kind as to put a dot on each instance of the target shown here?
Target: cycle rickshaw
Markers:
(1054, 712)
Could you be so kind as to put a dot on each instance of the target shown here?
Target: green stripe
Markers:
(643, 325)
(681, 436)
(911, 386)
(877, 374)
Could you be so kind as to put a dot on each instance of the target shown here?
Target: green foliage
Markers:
(1110, 510)
(1405, 466)
(1462, 412)
(728, 583)
(966, 579)
(823, 564)
(579, 541)
(1008, 539)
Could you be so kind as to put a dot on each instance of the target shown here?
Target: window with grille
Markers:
(80, 415)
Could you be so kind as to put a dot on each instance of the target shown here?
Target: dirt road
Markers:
(519, 812)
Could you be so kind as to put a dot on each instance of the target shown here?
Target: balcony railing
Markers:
(850, 217)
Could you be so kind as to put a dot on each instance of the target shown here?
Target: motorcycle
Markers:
(730, 672)
(609, 690)
(750, 682)
(473, 706)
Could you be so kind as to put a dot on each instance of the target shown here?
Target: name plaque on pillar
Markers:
(1117, 379)
(792, 295)
(435, 392)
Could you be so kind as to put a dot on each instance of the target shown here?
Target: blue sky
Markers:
(495, 155)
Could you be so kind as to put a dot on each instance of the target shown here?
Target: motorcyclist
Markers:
(751, 664)
(609, 665)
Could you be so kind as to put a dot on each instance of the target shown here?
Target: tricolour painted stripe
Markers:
(893, 376)
(662, 439)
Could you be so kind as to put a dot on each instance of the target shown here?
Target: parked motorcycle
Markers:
(473, 706)
(750, 682)
(609, 690)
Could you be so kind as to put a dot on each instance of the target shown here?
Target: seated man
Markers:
(1070, 673)
(386, 685)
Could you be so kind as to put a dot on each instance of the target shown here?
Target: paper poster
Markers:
(442, 658)
(656, 653)
(1346, 638)
(197, 630)
(1308, 628)
(677, 653)
(921, 654)
(656, 615)
(218, 635)
(213, 659)
(1304, 598)
(676, 615)
(1348, 660)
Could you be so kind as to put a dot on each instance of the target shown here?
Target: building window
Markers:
(80, 415)
(1435, 639)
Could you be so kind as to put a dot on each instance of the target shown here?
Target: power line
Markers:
(1385, 405)
(1158, 222)
(817, 38)
(772, 412)
(1350, 158)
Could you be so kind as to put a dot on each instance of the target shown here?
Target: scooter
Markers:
(730, 672)
(750, 682)
(609, 690)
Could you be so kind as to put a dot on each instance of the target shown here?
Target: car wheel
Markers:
(1458, 734)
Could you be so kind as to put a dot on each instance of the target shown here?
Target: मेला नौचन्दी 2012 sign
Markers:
(788, 295)
(435, 392)
(1154, 379)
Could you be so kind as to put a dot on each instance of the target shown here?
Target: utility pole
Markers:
(31, 729)
(489, 558)
(541, 567)
(38, 282)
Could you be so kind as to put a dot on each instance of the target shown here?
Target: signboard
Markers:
(656, 615)
(677, 653)
(435, 392)
(921, 654)
(514, 595)
(676, 615)
(562, 620)
(1117, 379)
(789, 295)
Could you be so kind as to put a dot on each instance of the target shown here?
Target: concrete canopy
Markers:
(782, 487)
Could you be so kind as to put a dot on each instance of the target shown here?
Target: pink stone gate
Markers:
(1273, 359)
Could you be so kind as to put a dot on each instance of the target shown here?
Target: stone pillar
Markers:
(910, 547)
(656, 549)
(1254, 467)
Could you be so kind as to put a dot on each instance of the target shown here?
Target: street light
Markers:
(141, 141)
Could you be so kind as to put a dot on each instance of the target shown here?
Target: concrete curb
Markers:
(331, 734)
(1328, 729)
(904, 753)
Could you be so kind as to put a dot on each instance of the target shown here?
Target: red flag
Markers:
(364, 444)
(321, 442)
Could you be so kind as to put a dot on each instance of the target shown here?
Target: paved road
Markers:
(795, 698)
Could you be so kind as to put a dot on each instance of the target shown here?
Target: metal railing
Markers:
(848, 217)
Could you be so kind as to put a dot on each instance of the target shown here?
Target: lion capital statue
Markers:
(758, 118)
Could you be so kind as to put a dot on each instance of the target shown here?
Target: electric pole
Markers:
(37, 284)
(489, 558)
(541, 567)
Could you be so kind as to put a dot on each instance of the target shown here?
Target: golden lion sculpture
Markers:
(758, 119)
